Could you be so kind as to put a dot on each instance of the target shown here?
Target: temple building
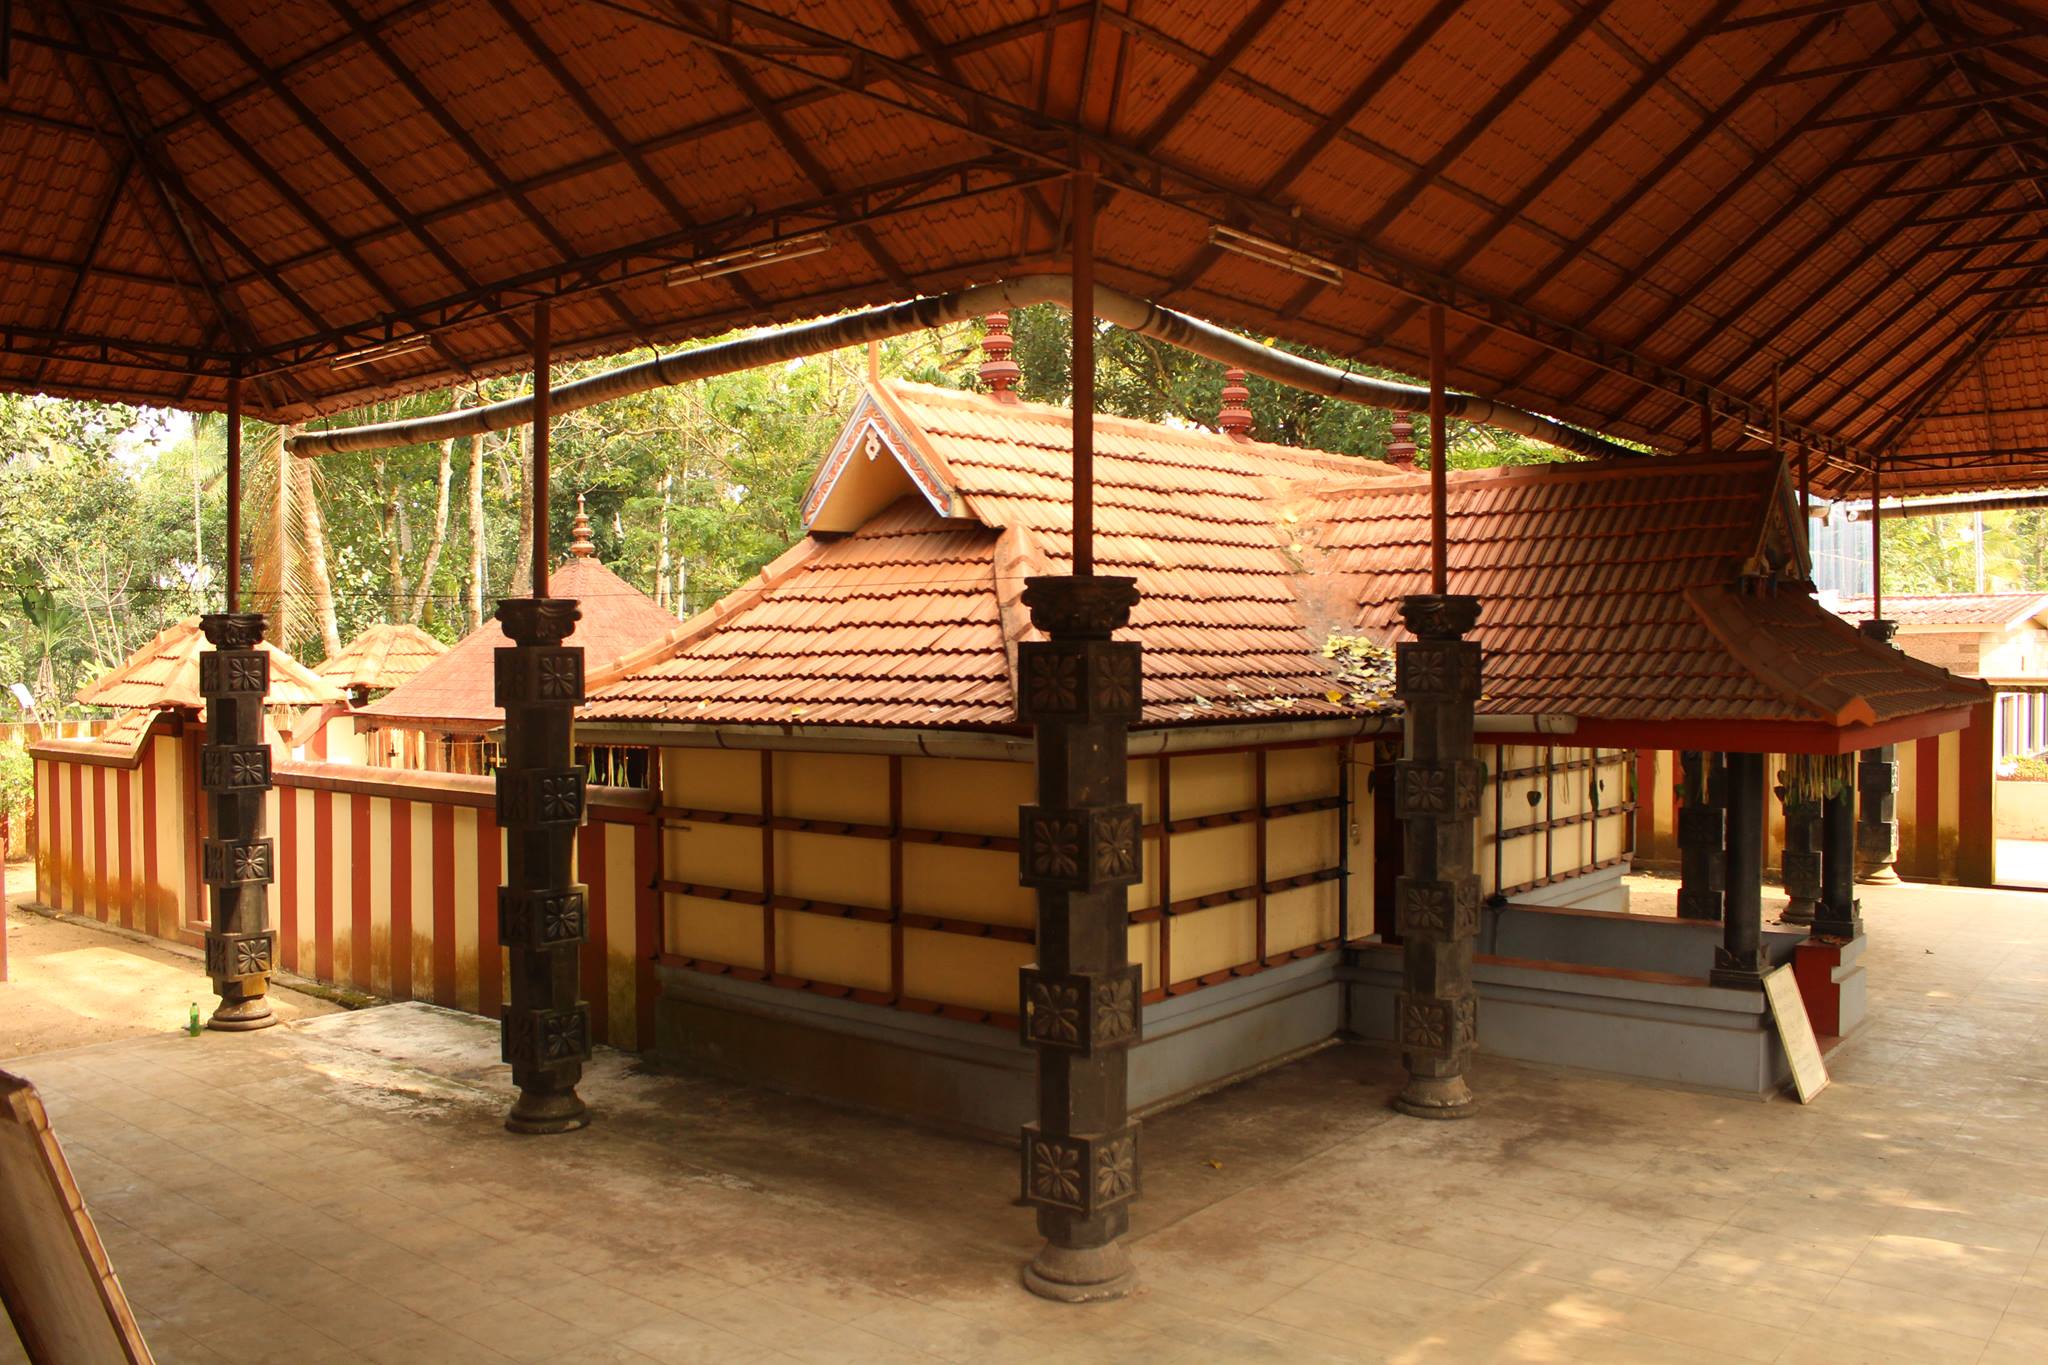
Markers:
(442, 718)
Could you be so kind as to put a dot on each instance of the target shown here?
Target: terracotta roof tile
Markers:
(165, 672)
(1964, 610)
(382, 657)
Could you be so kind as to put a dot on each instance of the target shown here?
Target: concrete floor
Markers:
(340, 1190)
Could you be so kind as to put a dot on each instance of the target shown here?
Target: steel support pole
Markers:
(543, 914)
(1739, 961)
(1080, 1004)
(1437, 783)
(238, 862)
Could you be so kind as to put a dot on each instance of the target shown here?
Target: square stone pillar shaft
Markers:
(1838, 915)
(1739, 961)
(543, 915)
(1799, 868)
(238, 861)
(1702, 835)
(1436, 899)
(1877, 782)
(1080, 1003)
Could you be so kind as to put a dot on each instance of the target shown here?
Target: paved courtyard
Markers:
(340, 1190)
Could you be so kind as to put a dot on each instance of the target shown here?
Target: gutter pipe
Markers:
(898, 319)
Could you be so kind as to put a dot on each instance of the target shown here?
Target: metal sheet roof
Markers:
(1628, 208)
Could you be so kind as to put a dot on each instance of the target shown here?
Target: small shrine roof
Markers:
(165, 673)
(382, 657)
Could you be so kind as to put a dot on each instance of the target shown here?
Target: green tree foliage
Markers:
(1939, 554)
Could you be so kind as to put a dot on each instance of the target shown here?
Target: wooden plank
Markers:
(55, 1278)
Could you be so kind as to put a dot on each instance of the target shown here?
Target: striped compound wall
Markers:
(386, 881)
(1946, 791)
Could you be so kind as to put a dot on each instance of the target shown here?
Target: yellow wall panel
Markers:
(969, 796)
(847, 952)
(966, 883)
(711, 779)
(953, 969)
(1300, 774)
(828, 867)
(715, 855)
(1210, 784)
(1301, 843)
(1210, 940)
(1301, 916)
(719, 930)
(1142, 787)
(849, 787)
(1210, 860)
(1142, 946)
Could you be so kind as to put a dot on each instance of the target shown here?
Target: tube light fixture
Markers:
(384, 350)
(1276, 254)
(750, 257)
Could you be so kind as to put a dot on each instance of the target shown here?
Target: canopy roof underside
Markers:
(1626, 207)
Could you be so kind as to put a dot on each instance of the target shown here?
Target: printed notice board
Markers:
(1795, 1031)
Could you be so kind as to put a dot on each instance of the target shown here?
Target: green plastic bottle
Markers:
(192, 1023)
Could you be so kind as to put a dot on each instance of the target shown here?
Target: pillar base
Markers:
(1884, 874)
(538, 1112)
(1798, 912)
(1437, 1097)
(1737, 978)
(1081, 1274)
(242, 1016)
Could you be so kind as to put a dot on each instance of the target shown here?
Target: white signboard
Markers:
(1795, 1031)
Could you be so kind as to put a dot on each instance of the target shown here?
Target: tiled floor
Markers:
(341, 1191)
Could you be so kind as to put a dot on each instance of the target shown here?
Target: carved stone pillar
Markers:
(1080, 1002)
(1436, 900)
(1877, 781)
(1838, 915)
(1702, 835)
(542, 915)
(1800, 867)
(1739, 961)
(238, 862)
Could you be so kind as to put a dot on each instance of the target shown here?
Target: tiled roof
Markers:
(912, 618)
(457, 686)
(165, 672)
(1963, 610)
(382, 657)
(1608, 591)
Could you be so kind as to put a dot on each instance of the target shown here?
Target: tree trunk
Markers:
(476, 531)
(317, 579)
(661, 550)
(387, 522)
(433, 561)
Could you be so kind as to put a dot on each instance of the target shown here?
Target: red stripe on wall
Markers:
(1643, 840)
(490, 962)
(1927, 808)
(1976, 857)
(590, 862)
(323, 885)
(359, 894)
(195, 910)
(102, 908)
(124, 846)
(647, 934)
(288, 878)
(152, 895)
(401, 899)
(50, 874)
(444, 905)
(74, 877)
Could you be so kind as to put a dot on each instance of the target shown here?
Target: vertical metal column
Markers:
(1877, 781)
(1702, 835)
(1437, 783)
(1080, 1003)
(1739, 961)
(238, 862)
(543, 916)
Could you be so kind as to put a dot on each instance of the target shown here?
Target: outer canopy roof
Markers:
(456, 690)
(165, 672)
(1624, 206)
(1955, 611)
(1609, 593)
(382, 657)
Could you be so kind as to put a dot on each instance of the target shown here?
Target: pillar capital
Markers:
(1069, 608)
(1439, 616)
